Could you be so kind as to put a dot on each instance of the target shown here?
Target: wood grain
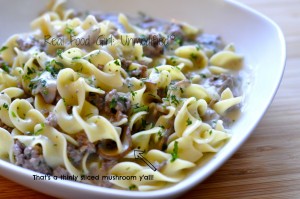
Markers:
(268, 164)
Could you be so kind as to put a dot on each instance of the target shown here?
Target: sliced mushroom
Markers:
(107, 149)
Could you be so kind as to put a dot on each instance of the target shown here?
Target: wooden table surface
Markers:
(268, 164)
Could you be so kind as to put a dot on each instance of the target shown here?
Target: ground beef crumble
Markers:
(31, 158)
(116, 106)
(26, 44)
(76, 153)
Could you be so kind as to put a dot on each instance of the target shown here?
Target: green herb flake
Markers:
(179, 41)
(30, 71)
(181, 90)
(193, 56)
(13, 114)
(69, 31)
(43, 82)
(59, 52)
(132, 187)
(45, 92)
(5, 106)
(64, 100)
(140, 109)
(75, 58)
(52, 69)
(133, 93)
(144, 123)
(177, 68)
(174, 100)
(175, 152)
(159, 134)
(123, 99)
(210, 132)
(188, 122)
(113, 103)
(60, 64)
(161, 126)
(5, 67)
(3, 48)
(203, 75)
(198, 47)
(156, 70)
(38, 132)
(117, 62)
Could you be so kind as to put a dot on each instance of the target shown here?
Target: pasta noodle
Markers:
(81, 94)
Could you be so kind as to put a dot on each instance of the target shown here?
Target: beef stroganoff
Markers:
(83, 91)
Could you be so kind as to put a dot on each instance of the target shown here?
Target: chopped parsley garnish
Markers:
(117, 62)
(30, 71)
(160, 134)
(3, 48)
(5, 67)
(13, 114)
(131, 187)
(75, 58)
(161, 126)
(179, 41)
(177, 67)
(43, 82)
(156, 70)
(175, 152)
(188, 122)
(140, 108)
(123, 99)
(203, 75)
(45, 92)
(69, 31)
(173, 60)
(133, 93)
(144, 123)
(210, 132)
(113, 103)
(51, 67)
(59, 52)
(193, 56)
(198, 47)
(64, 100)
(38, 132)
(32, 85)
(5, 106)
(59, 64)
(181, 90)
(174, 100)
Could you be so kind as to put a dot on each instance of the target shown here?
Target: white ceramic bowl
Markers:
(256, 37)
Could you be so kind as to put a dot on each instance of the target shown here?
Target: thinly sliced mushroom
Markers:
(107, 149)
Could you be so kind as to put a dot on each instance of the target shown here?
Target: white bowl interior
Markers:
(255, 36)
